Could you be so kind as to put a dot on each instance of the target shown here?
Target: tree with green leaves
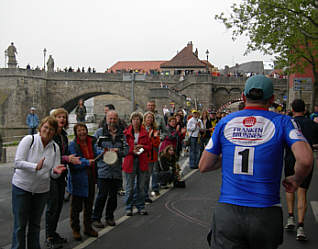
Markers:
(287, 29)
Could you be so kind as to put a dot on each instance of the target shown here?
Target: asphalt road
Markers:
(178, 219)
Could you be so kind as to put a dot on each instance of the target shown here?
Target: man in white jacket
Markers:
(193, 128)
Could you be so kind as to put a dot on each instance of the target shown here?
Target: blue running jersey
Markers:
(252, 142)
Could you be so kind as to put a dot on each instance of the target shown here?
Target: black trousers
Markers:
(107, 192)
(54, 206)
(77, 204)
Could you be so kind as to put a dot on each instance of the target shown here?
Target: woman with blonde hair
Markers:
(57, 186)
(152, 155)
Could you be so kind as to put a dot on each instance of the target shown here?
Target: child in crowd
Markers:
(169, 169)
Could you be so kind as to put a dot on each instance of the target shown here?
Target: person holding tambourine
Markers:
(113, 141)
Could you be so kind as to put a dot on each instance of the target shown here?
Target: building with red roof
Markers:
(185, 62)
(136, 66)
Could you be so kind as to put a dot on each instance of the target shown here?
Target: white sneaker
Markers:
(290, 223)
(301, 235)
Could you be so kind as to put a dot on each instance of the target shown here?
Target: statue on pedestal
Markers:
(50, 64)
(11, 52)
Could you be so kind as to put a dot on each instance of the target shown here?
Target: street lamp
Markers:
(207, 60)
(5, 57)
(44, 53)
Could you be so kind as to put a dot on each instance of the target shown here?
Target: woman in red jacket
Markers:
(152, 155)
(135, 165)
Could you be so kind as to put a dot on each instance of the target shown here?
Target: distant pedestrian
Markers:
(248, 145)
(159, 119)
(169, 168)
(109, 107)
(315, 113)
(205, 133)
(80, 111)
(194, 126)
(32, 121)
(171, 136)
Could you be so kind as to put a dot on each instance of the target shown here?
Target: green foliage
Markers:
(287, 29)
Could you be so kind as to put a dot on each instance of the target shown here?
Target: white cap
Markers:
(32, 108)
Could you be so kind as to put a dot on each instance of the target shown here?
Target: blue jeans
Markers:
(152, 172)
(135, 177)
(32, 131)
(27, 210)
(155, 177)
(194, 152)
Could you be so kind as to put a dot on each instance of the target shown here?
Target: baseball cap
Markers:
(259, 82)
(32, 108)
(193, 111)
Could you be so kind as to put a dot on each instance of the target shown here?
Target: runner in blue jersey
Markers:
(249, 145)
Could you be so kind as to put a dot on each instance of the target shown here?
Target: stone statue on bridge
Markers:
(11, 52)
(50, 64)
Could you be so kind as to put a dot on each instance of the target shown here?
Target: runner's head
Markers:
(298, 105)
(258, 89)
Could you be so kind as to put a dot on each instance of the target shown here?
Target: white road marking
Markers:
(107, 229)
(314, 206)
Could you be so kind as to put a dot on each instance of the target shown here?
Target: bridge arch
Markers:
(20, 89)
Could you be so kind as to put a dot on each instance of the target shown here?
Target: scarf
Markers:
(88, 153)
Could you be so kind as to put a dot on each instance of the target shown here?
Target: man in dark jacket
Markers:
(310, 131)
(110, 138)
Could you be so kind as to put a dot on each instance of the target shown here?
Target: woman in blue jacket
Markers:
(81, 180)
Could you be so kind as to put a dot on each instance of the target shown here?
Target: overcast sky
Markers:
(98, 33)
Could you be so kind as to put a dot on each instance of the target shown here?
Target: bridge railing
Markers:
(194, 78)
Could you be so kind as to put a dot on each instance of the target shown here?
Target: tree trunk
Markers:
(314, 87)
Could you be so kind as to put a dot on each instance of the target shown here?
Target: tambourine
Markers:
(110, 157)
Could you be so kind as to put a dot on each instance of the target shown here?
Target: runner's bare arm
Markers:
(209, 162)
(304, 160)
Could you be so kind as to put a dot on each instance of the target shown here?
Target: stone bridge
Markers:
(20, 89)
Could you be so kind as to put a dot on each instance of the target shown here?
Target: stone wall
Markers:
(20, 89)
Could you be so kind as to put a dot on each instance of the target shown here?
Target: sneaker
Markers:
(76, 235)
(51, 244)
(155, 193)
(301, 235)
(290, 223)
(59, 239)
(110, 222)
(142, 212)
(98, 224)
